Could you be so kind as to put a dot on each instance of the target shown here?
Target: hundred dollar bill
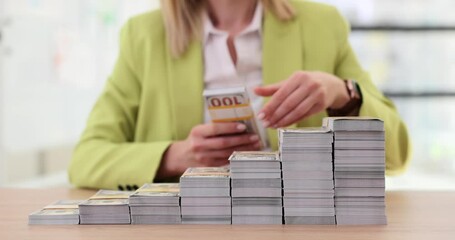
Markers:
(107, 197)
(220, 172)
(157, 189)
(158, 194)
(105, 202)
(232, 105)
(254, 156)
(307, 130)
(109, 194)
(56, 212)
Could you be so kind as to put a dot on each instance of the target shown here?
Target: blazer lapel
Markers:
(282, 49)
(282, 55)
(186, 87)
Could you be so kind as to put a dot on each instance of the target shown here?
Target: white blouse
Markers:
(221, 72)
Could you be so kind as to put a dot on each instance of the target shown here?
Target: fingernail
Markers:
(254, 138)
(261, 116)
(241, 127)
(266, 124)
(275, 126)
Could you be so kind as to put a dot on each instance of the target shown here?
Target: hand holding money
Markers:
(208, 145)
(228, 105)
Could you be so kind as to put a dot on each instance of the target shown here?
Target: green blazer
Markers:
(152, 99)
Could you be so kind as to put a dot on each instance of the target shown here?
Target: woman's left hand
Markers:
(300, 96)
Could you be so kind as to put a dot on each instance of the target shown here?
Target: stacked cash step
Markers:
(156, 203)
(60, 212)
(256, 188)
(306, 156)
(359, 160)
(106, 207)
(205, 196)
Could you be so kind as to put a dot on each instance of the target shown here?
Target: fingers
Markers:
(211, 157)
(280, 96)
(307, 107)
(302, 95)
(225, 142)
(267, 91)
(288, 106)
(216, 129)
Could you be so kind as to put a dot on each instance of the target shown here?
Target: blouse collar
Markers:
(254, 26)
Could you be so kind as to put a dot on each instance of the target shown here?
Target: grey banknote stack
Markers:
(156, 203)
(256, 188)
(306, 156)
(359, 160)
(106, 207)
(205, 196)
(61, 212)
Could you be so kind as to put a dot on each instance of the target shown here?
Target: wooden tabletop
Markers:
(411, 215)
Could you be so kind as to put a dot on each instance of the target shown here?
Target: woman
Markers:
(148, 125)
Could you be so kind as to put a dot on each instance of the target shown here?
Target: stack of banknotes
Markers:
(106, 207)
(256, 188)
(205, 196)
(61, 212)
(156, 203)
(359, 160)
(306, 156)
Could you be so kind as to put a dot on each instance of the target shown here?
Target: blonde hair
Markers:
(183, 20)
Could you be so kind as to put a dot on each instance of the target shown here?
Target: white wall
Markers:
(2, 161)
(58, 57)
(405, 12)
(61, 53)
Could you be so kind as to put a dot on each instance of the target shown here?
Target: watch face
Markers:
(355, 90)
(359, 92)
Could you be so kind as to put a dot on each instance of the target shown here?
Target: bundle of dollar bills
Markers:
(233, 105)
(106, 207)
(156, 203)
(205, 196)
(256, 188)
(306, 156)
(359, 160)
(60, 212)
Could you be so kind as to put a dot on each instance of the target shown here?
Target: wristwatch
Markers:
(352, 107)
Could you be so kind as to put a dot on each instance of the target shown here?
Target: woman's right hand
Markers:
(208, 145)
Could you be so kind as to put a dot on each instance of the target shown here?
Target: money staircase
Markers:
(325, 176)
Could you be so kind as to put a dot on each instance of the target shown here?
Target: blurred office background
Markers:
(56, 55)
